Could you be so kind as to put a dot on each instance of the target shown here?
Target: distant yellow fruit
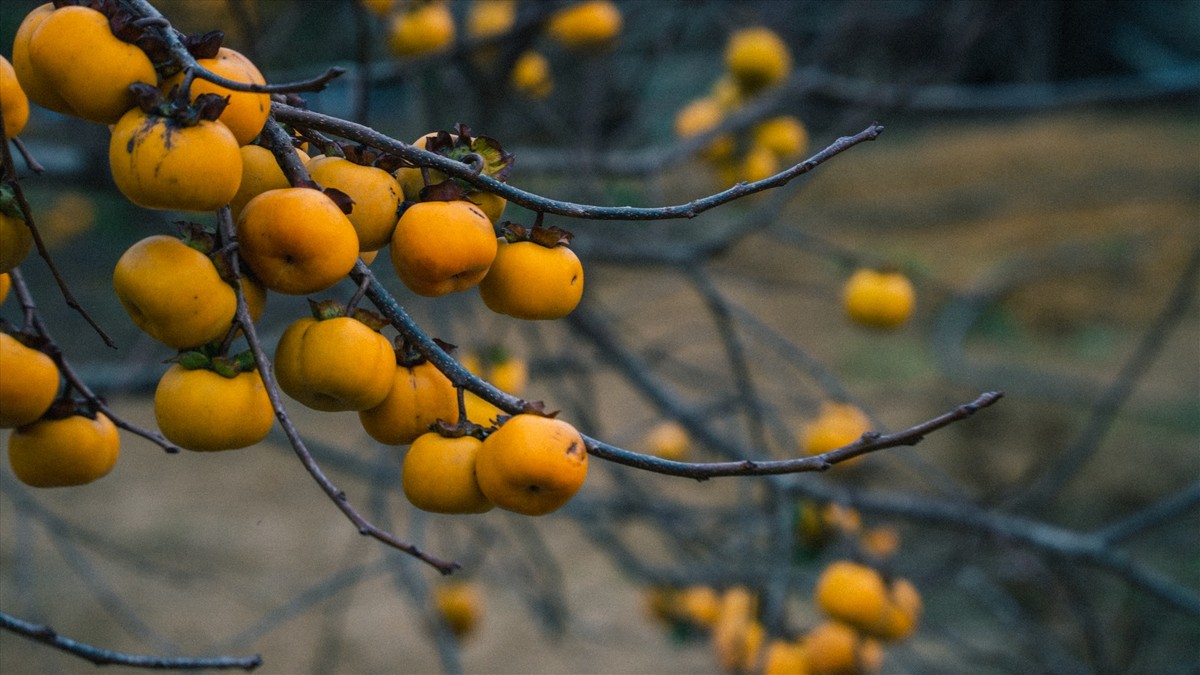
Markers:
(759, 164)
(837, 425)
(757, 58)
(531, 75)
(486, 18)
(785, 658)
(784, 135)
(667, 439)
(425, 29)
(879, 298)
(586, 25)
(702, 115)
(460, 605)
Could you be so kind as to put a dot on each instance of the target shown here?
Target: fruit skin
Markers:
(74, 52)
(33, 82)
(13, 100)
(460, 605)
(5, 285)
(759, 164)
(419, 396)
(16, 241)
(757, 58)
(375, 192)
(260, 172)
(424, 29)
(878, 298)
(533, 282)
(204, 411)
(296, 240)
(64, 452)
(586, 26)
(785, 658)
(334, 364)
(532, 464)
(442, 247)
(853, 594)
(247, 111)
(486, 18)
(736, 634)
(174, 293)
(438, 475)
(29, 381)
(159, 164)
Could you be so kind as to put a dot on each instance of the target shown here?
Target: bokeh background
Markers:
(1038, 178)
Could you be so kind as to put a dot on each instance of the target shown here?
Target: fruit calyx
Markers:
(548, 236)
(210, 357)
(176, 105)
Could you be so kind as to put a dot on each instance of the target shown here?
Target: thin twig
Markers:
(104, 657)
(533, 202)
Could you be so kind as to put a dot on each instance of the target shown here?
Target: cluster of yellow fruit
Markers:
(756, 59)
(194, 151)
(862, 611)
(425, 27)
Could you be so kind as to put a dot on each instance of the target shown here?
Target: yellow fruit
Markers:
(702, 115)
(260, 172)
(737, 635)
(439, 475)
(296, 240)
(785, 658)
(334, 364)
(74, 52)
(16, 241)
(442, 247)
(700, 605)
(460, 605)
(759, 163)
(532, 464)
(174, 293)
(33, 82)
(531, 281)
(159, 163)
(834, 648)
(5, 285)
(247, 111)
(424, 29)
(531, 75)
(419, 396)
(837, 425)
(204, 411)
(375, 192)
(879, 299)
(585, 26)
(757, 58)
(487, 18)
(667, 439)
(853, 594)
(785, 136)
(64, 452)
(29, 381)
(904, 611)
(13, 101)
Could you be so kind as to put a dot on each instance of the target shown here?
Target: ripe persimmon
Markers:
(337, 363)
(532, 464)
(534, 275)
(419, 396)
(442, 247)
(878, 298)
(203, 410)
(74, 450)
(375, 192)
(247, 111)
(29, 382)
(438, 474)
(296, 240)
(13, 100)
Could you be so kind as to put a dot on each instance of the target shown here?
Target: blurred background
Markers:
(1038, 179)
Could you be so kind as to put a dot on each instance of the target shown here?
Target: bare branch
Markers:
(104, 657)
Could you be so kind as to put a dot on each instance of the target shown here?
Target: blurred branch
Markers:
(1154, 515)
(104, 657)
(1104, 413)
